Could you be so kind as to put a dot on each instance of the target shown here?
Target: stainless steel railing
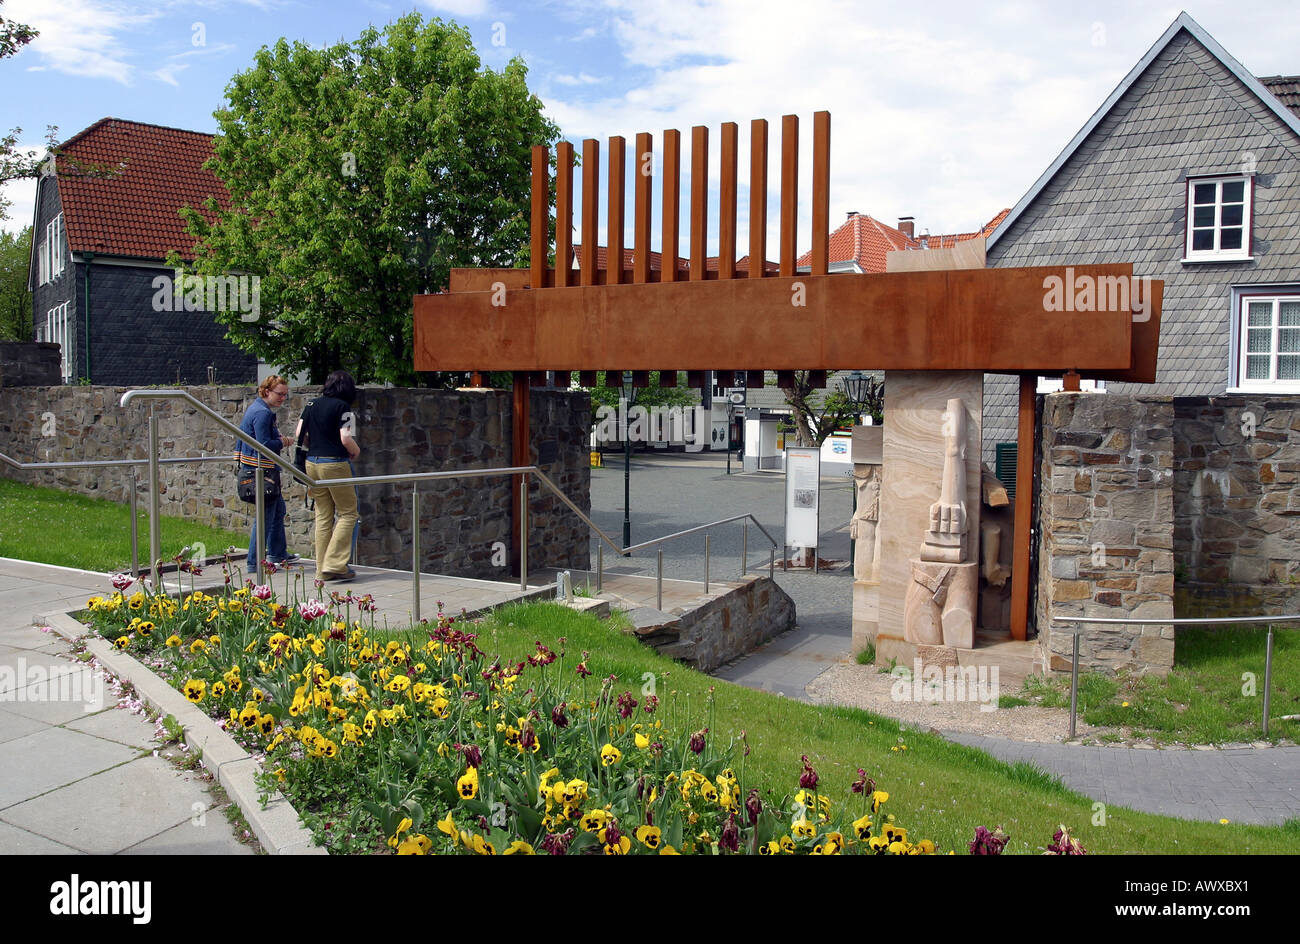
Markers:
(744, 551)
(1222, 621)
(415, 478)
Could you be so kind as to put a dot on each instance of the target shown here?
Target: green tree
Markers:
(14, 163)
(817, 415)
(15, 300)
(651, 396)
(359, 175)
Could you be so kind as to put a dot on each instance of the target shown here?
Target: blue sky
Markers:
(943, 111)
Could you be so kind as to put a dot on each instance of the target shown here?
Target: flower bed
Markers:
(426, 744)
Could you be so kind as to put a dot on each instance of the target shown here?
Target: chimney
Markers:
(907, 225)
(851, 214)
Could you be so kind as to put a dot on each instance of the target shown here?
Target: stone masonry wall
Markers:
(1237, 504)
(399, 430)
(1106, 528)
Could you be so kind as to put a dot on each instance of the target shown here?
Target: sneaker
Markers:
(349, 574)
(287, 559)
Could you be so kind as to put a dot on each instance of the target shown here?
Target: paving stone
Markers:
(117, 724)
(16, 841)
(213, 837)
(119, 808)
(14, 726)
(51, 758)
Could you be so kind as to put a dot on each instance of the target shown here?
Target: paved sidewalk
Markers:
(77, 772)
(1247, 785)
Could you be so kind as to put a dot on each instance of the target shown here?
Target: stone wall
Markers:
(1237, 504)
(29, 364)
(465, 523)
(1106, 528)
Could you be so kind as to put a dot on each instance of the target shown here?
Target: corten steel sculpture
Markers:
(586, 319)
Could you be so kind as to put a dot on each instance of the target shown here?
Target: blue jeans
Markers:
(275, 540)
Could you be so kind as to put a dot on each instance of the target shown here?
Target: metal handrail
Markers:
(104, 463)
(702, 527)
(1077, 631)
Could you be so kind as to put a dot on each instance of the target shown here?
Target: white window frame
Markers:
(58, 329)
(51, 254)
(1242, 297)
(1242, 254)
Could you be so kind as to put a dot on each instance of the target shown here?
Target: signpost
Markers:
(803, 479)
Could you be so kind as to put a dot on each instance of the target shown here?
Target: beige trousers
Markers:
(336, 517)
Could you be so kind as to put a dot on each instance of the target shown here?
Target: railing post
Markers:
(155, 506)
(1074, 683)
(600, 565)
(1268, 675)
(706, 563)
(744, 547)
(523, 533)
(771, 563)
(259, 516)
(659, 582)
(135, 527)
(784, 547)
(415, 552)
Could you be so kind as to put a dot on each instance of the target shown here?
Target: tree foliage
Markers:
(359, 175)
(15, 300)
(817, 415)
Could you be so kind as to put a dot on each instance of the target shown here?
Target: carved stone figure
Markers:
(946, 539)
(862, 526)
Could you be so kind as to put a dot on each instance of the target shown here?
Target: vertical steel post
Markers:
(706, 563)
(135, 527)
(415, 551)
(523, 533)
(1268, 675)
(744, 547)
(259, 480)
(659, 582)
(771, 563)
(155, 505)
(600, 566)
(1074, 683)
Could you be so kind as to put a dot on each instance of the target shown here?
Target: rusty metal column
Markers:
(1020, 575)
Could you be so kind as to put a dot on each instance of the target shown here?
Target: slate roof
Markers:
(1286, 88)
(144, 174)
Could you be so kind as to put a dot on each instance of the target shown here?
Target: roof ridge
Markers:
(127, 121)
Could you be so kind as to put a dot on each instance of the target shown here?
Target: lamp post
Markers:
(627, 460)
(857, 389)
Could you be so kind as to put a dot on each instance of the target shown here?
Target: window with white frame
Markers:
(52, 251)
(1268, 341)
(58, 330)
(1218, 219)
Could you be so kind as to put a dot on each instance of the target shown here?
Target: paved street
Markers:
(676, 491)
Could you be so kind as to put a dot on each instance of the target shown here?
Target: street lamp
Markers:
(857, 389)
(628, 391)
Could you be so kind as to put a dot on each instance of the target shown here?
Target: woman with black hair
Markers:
(328, 430)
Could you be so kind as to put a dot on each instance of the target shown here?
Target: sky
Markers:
(946, 112)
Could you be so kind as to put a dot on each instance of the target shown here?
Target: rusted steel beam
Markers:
(699, 202)
(588, 378)
(724, 378)
(821, 193)
(590, 209)
(757, 197)
(539, 219)
(753, 379)
(789, 194)
(1020, 575)
(564, 215)
(672, 204)
(973, 319)
(642, 189)
(614, 229)
(727, 203)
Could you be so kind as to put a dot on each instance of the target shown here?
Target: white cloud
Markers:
(458, 7)
(81, 37)
(581, 78)
(169, 72)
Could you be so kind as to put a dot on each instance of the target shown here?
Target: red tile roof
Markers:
(865, 240)
(1286, 88)
(134, 209)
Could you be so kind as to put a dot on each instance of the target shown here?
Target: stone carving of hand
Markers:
(948, 518)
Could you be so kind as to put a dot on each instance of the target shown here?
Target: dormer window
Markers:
(1218, 219)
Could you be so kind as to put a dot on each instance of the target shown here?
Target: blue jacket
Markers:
(259, 422)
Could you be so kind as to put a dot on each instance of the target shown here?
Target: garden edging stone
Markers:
(276, 826)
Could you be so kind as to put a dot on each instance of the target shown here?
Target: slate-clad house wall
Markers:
(1119, 193)
(118, 186)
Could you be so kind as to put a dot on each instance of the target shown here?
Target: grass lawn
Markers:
(1204, 700)
(937, 789)
(53, 527)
